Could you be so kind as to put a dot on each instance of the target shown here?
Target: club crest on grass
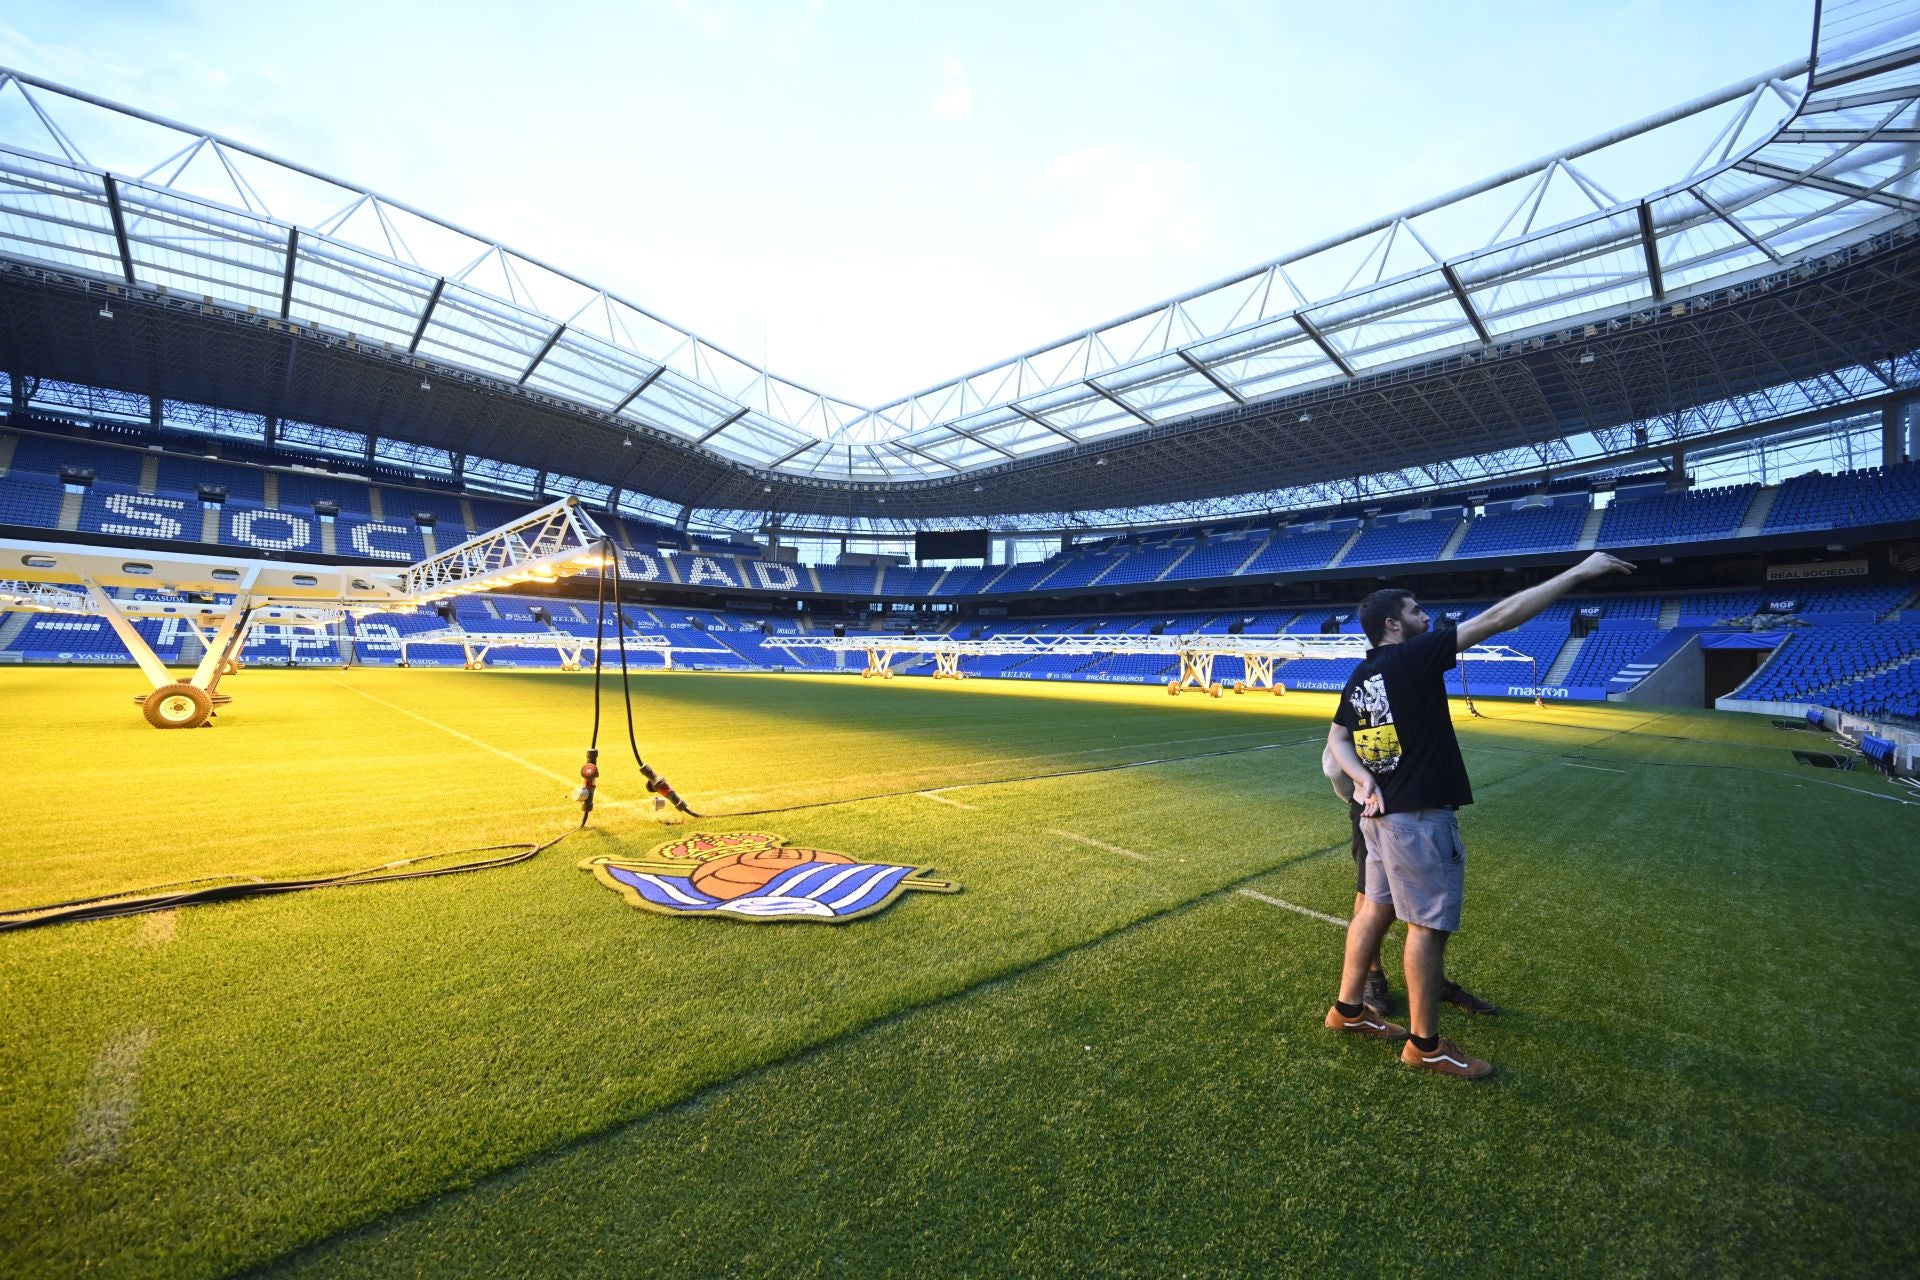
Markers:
(758, 876)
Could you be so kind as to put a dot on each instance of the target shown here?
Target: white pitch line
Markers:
(1098, 844)
(1575, 764)
(937, 798)
(107, 1106)
(1282, 903)
(464, 737)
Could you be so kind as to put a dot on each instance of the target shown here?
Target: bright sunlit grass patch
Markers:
(1098, 1056)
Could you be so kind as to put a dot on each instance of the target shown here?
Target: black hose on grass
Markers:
(138, 901)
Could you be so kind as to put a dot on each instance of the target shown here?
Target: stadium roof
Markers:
(1494, 321)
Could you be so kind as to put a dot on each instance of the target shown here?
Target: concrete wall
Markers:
(1680, 681)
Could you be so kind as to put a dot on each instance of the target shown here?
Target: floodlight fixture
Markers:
(1586, 357)
(424, 384)
(1306, 417)
(106, 311)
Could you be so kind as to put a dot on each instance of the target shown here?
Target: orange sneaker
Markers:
(1364, 1024)
(1446, 1058)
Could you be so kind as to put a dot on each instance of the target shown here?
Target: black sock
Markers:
(1347, 1010)
(1425, 1044)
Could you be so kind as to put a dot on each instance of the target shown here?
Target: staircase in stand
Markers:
(1563, 663)
(1669, 613)
(1758, 510)
(1590, 531)
(1345, 547)
(1178, 561)
(1458, 536)
(13, 624)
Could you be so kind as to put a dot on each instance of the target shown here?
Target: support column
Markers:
(1899, 432)
(1677, 462)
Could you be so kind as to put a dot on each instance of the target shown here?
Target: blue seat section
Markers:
(1604, 653)
(1687, 516)
(1879, 750)
(31, 500)
(1833, 597)
(401, 504)
(123, 511)
(1705, 608)
(1079, 570)
(1529, 532)
(492, 513)
(272, 645)
(1540, 642)
(64, 638)
(248, 524)
(47, 454)
(1147, 564)
(903, 581)
(962, 582)
(1872, 495)
(1402, 542)
(299, 491)
(852, 580)
(1626, 611)
(1814, 662)
(1216, 558)
(1294, 551)
(1024, 577)
(183, 475)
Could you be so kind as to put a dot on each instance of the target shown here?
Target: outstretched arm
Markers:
(1522, 605)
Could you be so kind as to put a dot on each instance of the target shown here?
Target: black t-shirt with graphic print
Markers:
(1395, 705)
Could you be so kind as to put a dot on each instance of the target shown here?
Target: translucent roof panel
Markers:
(1800, 160)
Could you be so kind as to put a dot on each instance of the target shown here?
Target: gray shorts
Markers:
(1417, 865)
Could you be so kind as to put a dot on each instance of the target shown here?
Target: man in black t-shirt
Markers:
(1393, 736)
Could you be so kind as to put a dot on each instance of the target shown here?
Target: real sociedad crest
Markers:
(757, 876)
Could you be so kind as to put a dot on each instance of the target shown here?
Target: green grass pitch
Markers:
(1101, 1057)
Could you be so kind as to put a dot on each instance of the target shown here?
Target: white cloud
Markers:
(955, 99)
(1104, 203)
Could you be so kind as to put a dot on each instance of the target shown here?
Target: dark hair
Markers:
(1377, 608)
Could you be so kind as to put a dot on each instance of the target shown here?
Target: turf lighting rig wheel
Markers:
(228, 666)
(1173, 688)
(177, 706)
(1239, 686)
(1213, 690)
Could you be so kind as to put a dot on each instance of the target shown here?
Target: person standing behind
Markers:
(1393, 736)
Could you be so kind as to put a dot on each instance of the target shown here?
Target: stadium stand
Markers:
(1403, 542)
(1603, 653)
(1840, 664)
(48, 455)
(1869, 496)
(30, 500)
(1216, 558)
(184, 475)
(1636, 521)
(1523, 532)
(300, 490)
(1299, 550)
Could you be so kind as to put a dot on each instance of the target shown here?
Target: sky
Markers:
(872, 198)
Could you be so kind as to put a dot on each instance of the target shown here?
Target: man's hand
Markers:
(1367, 794)
(1600, 564)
